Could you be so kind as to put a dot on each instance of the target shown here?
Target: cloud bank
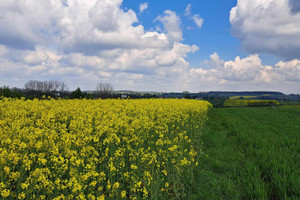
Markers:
(84, 42)
(245, 74)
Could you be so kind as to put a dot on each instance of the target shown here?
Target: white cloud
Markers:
(92, 27)
(143, 7)
(214, 61)
(106, 16)
(149, 69)
(187, 11)
(105, 74)
(35, 57)
(3, 50)
(245, 74)
(198, 20)
(245, 69)
(268, 26)
(171, 24)
(88, 62)
(26, 23)
(83, 42)
(73, 26)
(288, 71)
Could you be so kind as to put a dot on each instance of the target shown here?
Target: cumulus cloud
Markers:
(149, 69)
(77, 26)
(125, 69)
(247, 73)
(35, 57)
(171, 24)
(93, 26)
(73, 26)
(143, 7)
(245, 69)
(88, 62)
(214, 62)
(83, 42)
(25, 23)
(288, 71)
(106, 16)
(196, 18)
(2, 50)
(268, 26)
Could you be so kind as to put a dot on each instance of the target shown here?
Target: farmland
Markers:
(251, 153)
(98, 149)
(147, 149)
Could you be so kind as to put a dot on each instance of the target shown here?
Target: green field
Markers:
(250, 153)
(289, 103)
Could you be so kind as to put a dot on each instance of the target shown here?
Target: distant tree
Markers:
(186, 94)
(53, 88)
(77, 94)
(30, 85)
(5, 91)
(89, 96)
(104, 90)
(63, 87)
(17, 92)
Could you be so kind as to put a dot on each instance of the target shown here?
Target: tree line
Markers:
(57, 89)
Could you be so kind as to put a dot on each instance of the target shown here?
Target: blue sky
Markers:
(195, 45)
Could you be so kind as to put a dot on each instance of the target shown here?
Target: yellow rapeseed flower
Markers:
(123, 194)
(5, 193)
(68, 149)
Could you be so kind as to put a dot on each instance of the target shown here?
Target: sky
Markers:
(152, 45)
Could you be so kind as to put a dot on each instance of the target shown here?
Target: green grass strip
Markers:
(250, 153)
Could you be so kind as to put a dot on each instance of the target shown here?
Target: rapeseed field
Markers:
(249, 102)
(98, 149)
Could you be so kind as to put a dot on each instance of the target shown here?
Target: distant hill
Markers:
(243, 93)
(267, 95)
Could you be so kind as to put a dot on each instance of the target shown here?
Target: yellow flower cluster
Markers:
(249, 102)
(94, 149)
